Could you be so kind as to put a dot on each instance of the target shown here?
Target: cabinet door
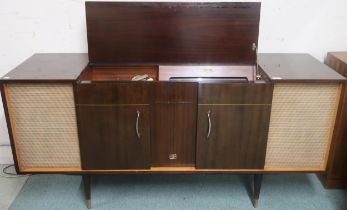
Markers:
(233, 124)
(232, 137)
(114, 136)
(173, 136)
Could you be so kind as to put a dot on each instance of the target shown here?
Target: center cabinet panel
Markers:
(233, 123)
(173, 133)
(114, 125)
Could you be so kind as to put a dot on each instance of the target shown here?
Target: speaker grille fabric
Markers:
(301, 123)
(44, 124)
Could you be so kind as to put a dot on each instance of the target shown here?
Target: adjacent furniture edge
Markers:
(295, 68)
(336, 174)
(49, 67)
(331, 183)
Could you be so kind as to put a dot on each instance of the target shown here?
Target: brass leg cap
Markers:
(255, 203)
(89, 204)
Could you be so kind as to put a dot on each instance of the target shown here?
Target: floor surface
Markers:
(9, 188)
(5, 154)
(279, 191)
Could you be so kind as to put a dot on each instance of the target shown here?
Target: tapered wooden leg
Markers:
(256, 188)
(87, 189)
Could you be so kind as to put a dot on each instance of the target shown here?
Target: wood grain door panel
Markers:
(174, 124)
(183, 133)
(108, 138)
(174, 133)
(237, 138)
(113, 93)
(160, 140)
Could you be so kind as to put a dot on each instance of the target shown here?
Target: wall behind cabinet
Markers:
(43, 26)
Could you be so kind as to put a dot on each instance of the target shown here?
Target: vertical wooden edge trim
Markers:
(267, 136)
(337, 65)
(327, 60)
(334, 124)
(272, 88)
(196, 100)
(337, 128)
(74, 92)
(157, 71)
(11, 128)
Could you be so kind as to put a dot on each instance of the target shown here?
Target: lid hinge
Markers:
(257, 73)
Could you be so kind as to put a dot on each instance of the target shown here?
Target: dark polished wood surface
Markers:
(173, 129)
(62, 67)
(86, 179)
(236, 136)
(114, 93)
(56, 67)
(160, 134)
(257, 180)
(175, 92)
(336, 174)
(244, 93)
(296, 68)
(108, 138)
(171, 32)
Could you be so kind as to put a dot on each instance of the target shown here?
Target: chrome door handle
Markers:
(209, 124)
(137, 124)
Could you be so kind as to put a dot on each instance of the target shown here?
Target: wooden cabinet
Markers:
(232, 129)
(228, 129)
(165, 126)
(114, 126)
(164, 113)
(114, 137)
(232, 136)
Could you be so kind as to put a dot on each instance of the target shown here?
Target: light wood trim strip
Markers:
(112, 104)
(234, 104)
(9, 110)
(173, 102)
(332, 127)
(173, 170)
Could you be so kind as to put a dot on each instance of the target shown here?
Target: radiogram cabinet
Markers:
(206, 103)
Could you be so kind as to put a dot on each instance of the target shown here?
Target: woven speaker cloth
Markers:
(44, 124)
(301, 124)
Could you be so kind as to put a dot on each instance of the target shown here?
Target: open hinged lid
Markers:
(185, 32)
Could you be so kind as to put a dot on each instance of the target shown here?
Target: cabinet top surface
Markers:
(287, 67)
(63, 67)
(49, 67)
